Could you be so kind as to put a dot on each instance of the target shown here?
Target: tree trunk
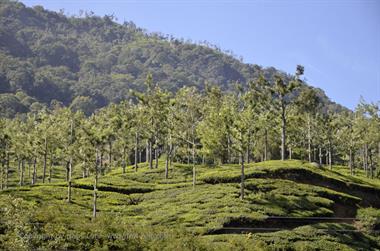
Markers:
(136, 151)
(22, 172)
(242, 177)
(150, 155)
(19, 169)
(109, 155)
(283, 132)
(365, 159)
(45, 160)
(350, 162)
(327, 156)
(370, 163)
(188, 154)
(290, 152)
(69, 181)
(353, 162)
(249, 147)
(34, 177)
(70, 164)
(84, 163)
(228, 149)
(29, 163)
(7, 171)
(67, 171)
(309, 136)
(330, 157)
(101, 163)
(2, 168)
(95, 185)
(147, 152)
(167, 166)
(51, 167)
(171, 160)
(156, 157)
(194, 171)
(320, 156)
(95, 197)
(168, 160)
(266, 145)
(124, 163)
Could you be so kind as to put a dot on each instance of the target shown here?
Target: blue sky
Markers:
(337, 41)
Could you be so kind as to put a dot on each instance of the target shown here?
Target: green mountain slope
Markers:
(91, 61)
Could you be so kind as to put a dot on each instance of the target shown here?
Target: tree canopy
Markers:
(86, 61)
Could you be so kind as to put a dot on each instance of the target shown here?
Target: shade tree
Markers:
(185, 115)
(281, 91)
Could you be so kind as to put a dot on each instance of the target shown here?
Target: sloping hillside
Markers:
(90, 61)
(288, 205)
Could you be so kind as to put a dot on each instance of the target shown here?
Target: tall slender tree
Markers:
(307, 103)
(282, 90)
(242, 120)
(187, 115)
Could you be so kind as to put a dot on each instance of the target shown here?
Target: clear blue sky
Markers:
(338, 41)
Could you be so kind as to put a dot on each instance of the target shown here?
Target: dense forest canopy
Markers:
(87, 62)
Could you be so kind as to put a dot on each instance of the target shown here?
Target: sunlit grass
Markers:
(145, 199)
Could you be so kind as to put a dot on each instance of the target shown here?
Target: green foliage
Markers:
(84, 104)
(87, 102)
(214, 130)
(10, 105)
(144, 210)
(30, 228)
(369, 218)
(52, 56)
(18, 219)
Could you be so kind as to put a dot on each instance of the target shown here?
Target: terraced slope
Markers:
(288, 205)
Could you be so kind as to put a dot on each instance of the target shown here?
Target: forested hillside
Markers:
(112, 138)
(86, 62)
